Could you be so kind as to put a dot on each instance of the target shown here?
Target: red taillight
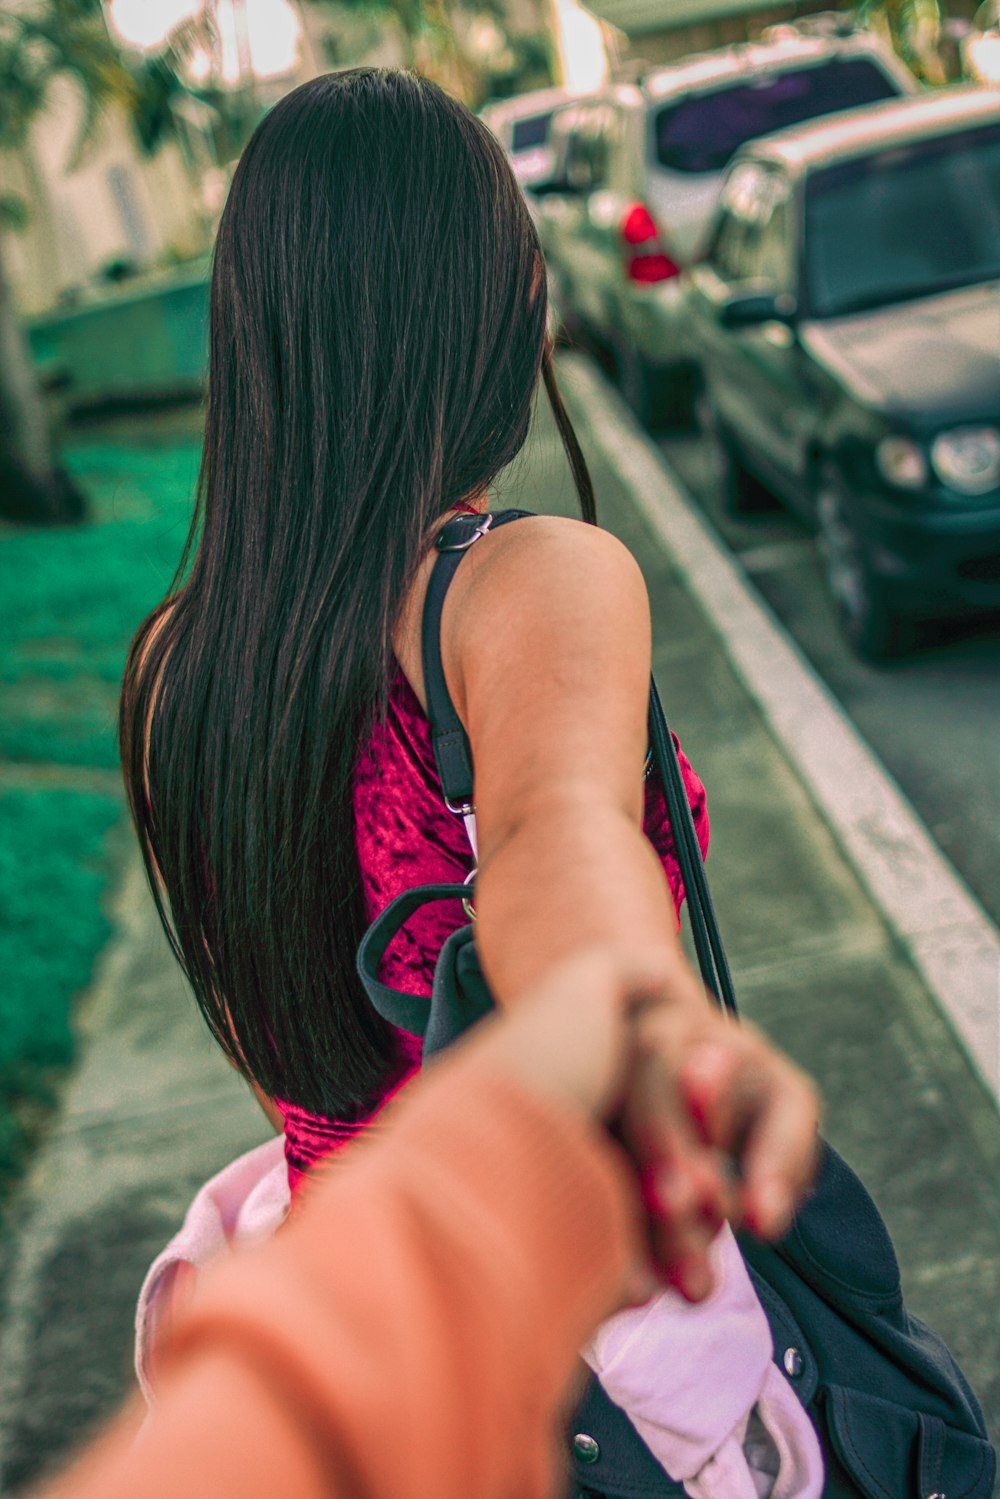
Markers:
(648, 268)
(645, 261)
(637, 225)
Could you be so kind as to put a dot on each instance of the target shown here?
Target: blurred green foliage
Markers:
(71, 601)
(50, 39)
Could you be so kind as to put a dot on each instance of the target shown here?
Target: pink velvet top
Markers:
(405, 837)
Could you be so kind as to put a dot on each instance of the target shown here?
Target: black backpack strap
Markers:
(712, 960)
(452, 751)
(410, 1012)
(459, 996)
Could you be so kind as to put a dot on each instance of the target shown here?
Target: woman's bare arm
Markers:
(546, 645)
(547, 650)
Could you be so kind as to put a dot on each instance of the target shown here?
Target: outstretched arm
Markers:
(547, 650)
(425, 1351)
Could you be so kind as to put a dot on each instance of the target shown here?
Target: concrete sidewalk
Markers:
(153, 1109)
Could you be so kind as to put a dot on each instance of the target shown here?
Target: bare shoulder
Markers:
(547, 564)
(547, 609)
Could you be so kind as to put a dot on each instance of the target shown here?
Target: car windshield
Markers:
(702, 132)
(530, 132)
(904, 223)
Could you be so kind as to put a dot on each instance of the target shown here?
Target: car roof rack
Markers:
(822, 23)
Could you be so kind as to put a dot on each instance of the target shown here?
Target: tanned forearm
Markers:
(570, 873)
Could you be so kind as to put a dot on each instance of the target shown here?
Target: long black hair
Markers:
(378, 325)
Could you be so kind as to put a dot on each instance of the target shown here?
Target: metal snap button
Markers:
(793, 1363)
(586, 1449)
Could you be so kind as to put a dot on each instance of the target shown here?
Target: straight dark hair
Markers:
(378, 325)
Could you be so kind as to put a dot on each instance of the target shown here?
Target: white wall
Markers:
(115, 204)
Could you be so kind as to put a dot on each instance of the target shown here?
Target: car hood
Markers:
(933, 361)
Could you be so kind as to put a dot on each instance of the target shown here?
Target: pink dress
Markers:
(405, 837)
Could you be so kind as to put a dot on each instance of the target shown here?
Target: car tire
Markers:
(742, 495)
(661, 399)
(874, 624)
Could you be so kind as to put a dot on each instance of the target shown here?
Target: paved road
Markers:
(933, 720)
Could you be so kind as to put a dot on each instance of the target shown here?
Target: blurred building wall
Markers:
(661, 30)
(114, 206)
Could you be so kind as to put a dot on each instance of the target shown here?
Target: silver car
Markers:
(639, 170)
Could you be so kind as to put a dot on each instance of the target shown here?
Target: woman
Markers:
(377, 337)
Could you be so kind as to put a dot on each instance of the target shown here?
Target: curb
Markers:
(943, 929)
(34, 1238)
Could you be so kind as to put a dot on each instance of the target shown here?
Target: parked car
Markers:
(523, 126)
(846, 320)
(640, 169)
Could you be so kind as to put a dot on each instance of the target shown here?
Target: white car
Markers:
(640, 169)
(523, 126)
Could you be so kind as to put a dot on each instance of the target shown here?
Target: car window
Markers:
(902, 223)
(703, 131)
(587, 153)
(771, 259)
(607, 125)
(726, 254)
(527, 133)
(577, 162)
(752, 239)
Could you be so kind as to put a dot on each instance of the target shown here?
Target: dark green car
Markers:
(846, 325)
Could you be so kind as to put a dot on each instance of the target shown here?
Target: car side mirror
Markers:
(749, 309)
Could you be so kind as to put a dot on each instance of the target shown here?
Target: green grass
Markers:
(53, 876)
(70, 600)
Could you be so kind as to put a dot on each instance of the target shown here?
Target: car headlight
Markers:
(968, 459)
(901, 461)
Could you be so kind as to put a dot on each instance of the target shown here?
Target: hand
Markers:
(719, 1125)
(715, 1121)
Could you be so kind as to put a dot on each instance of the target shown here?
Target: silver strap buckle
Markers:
(485, 522)
(467, 903)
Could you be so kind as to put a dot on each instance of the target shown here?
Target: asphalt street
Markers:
(933, 719)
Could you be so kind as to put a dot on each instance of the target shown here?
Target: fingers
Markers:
(719, 1125)
(751, 1102)
(685, 1215)
(683, 1189)
(780, 1157)
(716, 1122)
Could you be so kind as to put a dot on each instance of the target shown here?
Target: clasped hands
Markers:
(716, 1123)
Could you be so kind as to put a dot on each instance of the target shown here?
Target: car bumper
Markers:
(940, 556)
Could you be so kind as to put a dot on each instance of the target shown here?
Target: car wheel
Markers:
(661, 399)
(872, 621)
(742, 494)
